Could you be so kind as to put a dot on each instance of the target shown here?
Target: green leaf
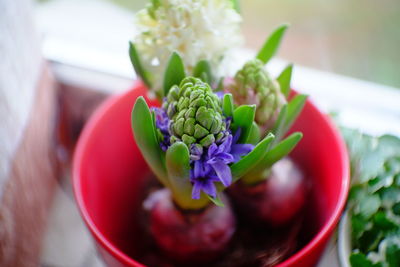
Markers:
(370, 239)
(248, 162)
(294, 108)
(137, 65)
(275, 154)
(360, 260)
(217, 201)
(254, 136)
(243, 117)
(236, 5)
(288, 115)
(369, 205)
(284, 80)
(220, 85)
(283, 148)
(144, 131)
(174, 72)
(203, 71)
(383, 222)
(271, 45)
(227, 105)
(393, 255)
(279, 126)
(178, 167)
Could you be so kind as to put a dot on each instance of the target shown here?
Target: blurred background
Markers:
(359, 38)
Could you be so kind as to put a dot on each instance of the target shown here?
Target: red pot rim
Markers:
(326, 230)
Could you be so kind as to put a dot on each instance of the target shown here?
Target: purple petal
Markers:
(209, 188)
(236, 136)
(223, 172)
(196, 190)
(241, 149)
(220, 94)
(195, 152)
(197, 170)
(226, 145)
(225, 157)
(212, 149)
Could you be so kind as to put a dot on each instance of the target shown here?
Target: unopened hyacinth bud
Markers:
(253, 85)
(195, 113)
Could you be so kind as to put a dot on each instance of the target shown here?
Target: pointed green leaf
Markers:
(248, 162)
(236, 5)
(294, 108)
(275, 154)
(243, 117)
(174, 72)
(282, 149)
(279, 126)
(220, 85)
(217, 201)
(146, 138)
(254, 136)
(227, 105)
(203, 71)
(137, 65)
(178, 167)
(271, 45)
(284, 79)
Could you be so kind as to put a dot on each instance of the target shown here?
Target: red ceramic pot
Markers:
(109, 172)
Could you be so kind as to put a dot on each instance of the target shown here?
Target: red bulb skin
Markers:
(275, 201)
(190, 236)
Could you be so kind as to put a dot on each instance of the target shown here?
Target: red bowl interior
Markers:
(108, 174)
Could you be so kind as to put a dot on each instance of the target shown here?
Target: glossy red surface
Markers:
(108, 174)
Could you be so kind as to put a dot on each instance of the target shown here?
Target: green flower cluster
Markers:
(254, 85)
(195, 113)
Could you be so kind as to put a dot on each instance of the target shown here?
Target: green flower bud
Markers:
(253, 85)
(195, 113)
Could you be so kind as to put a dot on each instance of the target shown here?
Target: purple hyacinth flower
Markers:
(203, 178)
(162, 123)
(239, 150)
(219, 158)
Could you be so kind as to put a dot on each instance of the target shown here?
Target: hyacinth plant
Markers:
(270, 193)
(192, 28)
(197, 144)
(276, 112)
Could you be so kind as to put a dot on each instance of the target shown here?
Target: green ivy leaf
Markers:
(271, 45)
(137, 65)
(243, 117)
(178, 167)
(145, 134)
(284, 80)
(203, 71)
(174, 72)
(248, 162)
(227, 105)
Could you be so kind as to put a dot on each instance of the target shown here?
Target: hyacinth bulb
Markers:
(253, 85)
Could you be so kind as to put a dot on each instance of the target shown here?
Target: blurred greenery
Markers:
(359, 38)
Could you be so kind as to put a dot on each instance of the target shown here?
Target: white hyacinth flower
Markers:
(196, 29)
